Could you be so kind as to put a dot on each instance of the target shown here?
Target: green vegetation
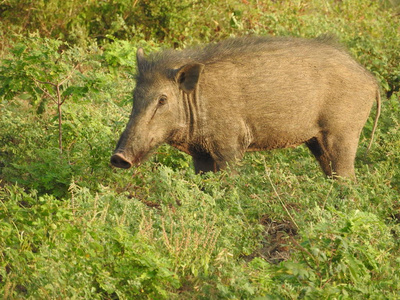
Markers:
(72, 227)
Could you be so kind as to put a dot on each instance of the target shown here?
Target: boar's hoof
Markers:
(119, 161)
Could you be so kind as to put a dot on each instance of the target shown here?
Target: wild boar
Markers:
(217, 101)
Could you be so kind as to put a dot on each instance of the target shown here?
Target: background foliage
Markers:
(73, 227)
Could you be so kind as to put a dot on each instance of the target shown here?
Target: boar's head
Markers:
(158, 109)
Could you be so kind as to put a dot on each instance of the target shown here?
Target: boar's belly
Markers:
(269, 140)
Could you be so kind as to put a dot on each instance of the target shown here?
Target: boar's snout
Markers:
(118, 160)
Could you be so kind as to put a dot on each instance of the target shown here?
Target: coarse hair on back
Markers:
(231, 49)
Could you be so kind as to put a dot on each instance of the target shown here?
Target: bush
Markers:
(53, 249)
(342, 255)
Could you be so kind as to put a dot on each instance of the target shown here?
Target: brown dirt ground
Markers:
(276, 245)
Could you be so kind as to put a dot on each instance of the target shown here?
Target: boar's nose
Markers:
(119, 161)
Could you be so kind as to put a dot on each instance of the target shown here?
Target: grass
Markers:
(274, 228)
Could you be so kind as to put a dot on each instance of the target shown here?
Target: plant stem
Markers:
(57, 99)
(59, 103)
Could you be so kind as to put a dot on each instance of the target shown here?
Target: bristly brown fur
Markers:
(235, 50)
(226, 49)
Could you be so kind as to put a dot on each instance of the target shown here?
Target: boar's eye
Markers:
(162, 100)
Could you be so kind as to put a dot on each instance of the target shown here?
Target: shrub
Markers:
(342, 255)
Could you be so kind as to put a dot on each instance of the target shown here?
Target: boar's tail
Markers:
(378, 112)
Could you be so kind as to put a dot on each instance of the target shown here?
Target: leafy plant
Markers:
(46, 243)
(342, 254)
(35, 65)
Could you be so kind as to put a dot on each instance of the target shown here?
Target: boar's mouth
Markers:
(120, 161)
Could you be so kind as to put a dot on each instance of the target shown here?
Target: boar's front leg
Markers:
(204, 163)
(218, 158)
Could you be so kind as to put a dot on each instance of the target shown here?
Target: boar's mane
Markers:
(165, 61)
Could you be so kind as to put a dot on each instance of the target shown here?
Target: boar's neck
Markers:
(192, 117)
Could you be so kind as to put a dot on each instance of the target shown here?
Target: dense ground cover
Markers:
(73, 227)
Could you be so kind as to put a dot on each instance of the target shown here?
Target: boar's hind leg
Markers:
(321, 155)
(335, 155)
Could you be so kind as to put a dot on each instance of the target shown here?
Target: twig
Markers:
(44, 90)
(304, 250)
(69, 75)
(58, 99)
(44, 82)
(277, 195)
(327, 196)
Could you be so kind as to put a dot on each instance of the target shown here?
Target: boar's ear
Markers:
(188, 76)
(140, 57)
